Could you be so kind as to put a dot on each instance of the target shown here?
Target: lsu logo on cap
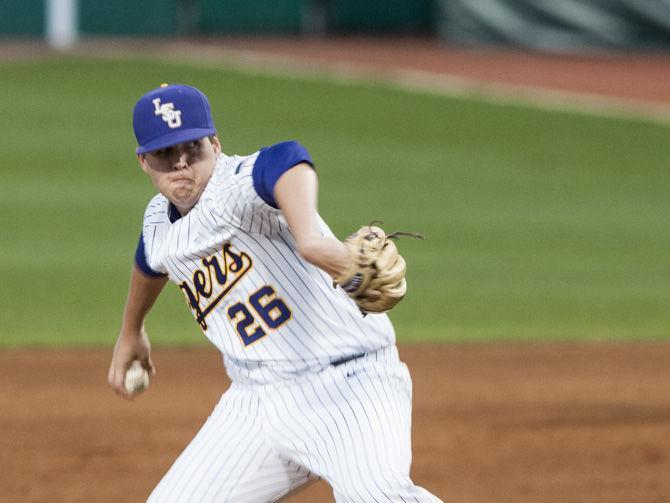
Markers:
(167, 113)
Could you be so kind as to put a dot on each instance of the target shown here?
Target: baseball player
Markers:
(317, 388)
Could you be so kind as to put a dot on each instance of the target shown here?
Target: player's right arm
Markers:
(296, 195)
(284, 178)
(132, 342)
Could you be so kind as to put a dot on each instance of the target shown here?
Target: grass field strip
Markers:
(546, 225)
(409, 80)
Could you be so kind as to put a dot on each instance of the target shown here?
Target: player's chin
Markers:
(183, 193)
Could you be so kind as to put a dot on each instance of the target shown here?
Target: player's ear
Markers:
(142, 159)
(215, 143)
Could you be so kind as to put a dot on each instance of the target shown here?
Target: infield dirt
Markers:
(491, 423)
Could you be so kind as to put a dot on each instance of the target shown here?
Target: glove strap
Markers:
(353, 283)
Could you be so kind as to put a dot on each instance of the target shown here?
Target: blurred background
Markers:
(570, 25)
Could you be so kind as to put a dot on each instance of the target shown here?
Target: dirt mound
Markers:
(503, 423)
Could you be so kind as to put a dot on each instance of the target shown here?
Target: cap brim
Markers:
(181, 136)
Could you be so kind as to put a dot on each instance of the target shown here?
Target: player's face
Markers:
(180, 172)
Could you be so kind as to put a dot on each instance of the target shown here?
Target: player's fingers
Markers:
(118, 381)
(372, 294)
(122, 392)
(110, 375)
(113, 371)
(148, 365)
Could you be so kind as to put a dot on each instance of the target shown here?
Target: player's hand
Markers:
(129, 346)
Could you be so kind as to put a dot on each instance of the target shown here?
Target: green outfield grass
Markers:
(538, 225)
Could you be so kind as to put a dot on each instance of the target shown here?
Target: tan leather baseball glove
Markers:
(375, 277)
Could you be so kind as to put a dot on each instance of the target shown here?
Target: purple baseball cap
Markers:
(169, 115)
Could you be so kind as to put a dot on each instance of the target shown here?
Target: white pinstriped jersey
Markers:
(318, 390)
(272, 314)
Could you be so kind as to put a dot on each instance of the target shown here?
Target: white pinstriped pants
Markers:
(349, 425)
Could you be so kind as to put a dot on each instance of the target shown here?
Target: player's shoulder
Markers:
(285, 154)
(158, 205)
(284, 147)
(240, 166)
(159, 200)
(272, 162)
(280, 155)
(247, 181)
(231, 178)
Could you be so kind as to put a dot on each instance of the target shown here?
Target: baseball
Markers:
(137, 378)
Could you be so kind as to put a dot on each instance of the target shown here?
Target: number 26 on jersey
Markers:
(268, 312)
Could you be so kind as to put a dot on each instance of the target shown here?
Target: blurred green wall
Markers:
(541, 25)
(21, 17)
(249, 16)
(221, 17)
(382, 16)
(128, 17)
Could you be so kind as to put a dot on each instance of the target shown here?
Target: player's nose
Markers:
(181, 162)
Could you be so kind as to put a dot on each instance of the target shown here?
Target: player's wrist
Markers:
(345, 270)
(132, 330)
(327, 253)
(342, 259)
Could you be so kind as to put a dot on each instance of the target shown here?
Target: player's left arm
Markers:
(133, 342)
(296, 195)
